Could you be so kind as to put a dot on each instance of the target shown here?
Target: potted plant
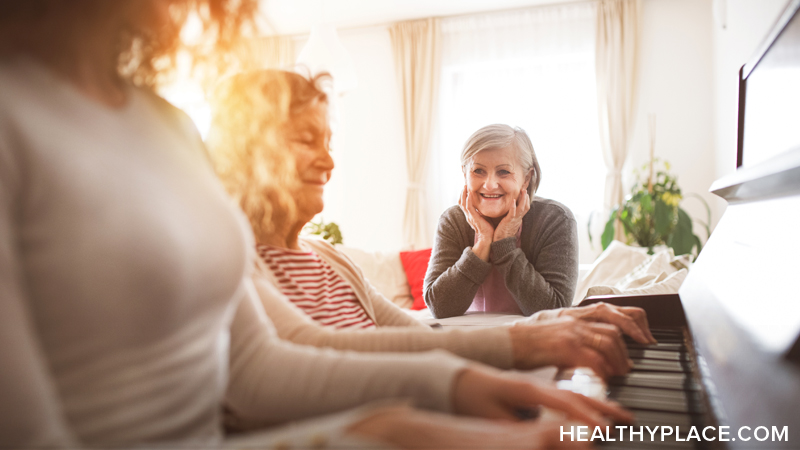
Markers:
(329, 231)
(651, 215)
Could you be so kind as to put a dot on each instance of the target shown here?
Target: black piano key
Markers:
(676, 339)
(662, 339)
(653, 418)
(664, 380)
(647, 404)
(672, 347)
(657, 399)
(652, 365)
(667, 330)
(660, 355)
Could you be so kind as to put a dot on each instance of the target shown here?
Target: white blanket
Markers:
(622, 269)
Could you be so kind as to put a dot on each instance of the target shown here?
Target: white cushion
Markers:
(384, 270)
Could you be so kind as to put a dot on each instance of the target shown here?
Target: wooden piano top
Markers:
(740, 305)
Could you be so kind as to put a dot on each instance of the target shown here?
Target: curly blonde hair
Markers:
(253, 115)
(145, 48)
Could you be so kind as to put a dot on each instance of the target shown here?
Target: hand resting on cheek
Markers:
(511, 223)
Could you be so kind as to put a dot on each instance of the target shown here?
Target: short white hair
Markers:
(499, 136)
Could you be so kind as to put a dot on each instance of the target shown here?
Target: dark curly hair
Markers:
(146, 45)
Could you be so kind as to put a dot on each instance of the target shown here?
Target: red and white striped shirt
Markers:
(312, 285)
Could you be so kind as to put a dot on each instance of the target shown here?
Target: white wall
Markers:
(676, 76)
(688, 79)
(746, 24)
(366, 194)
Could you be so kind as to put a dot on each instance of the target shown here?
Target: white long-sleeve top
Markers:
(122, 266)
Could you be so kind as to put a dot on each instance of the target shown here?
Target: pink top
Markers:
(493, 295)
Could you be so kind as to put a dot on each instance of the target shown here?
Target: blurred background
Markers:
(597, 89)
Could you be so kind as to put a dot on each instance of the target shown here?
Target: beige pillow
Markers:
(384, 271)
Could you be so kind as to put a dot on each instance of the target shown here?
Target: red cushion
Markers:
(416, 264)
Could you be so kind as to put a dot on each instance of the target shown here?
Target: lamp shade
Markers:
(324, 52)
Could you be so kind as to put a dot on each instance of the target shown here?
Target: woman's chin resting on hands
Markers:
(502, 248)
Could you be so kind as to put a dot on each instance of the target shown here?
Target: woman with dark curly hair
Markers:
(112, 310)
(123, 267)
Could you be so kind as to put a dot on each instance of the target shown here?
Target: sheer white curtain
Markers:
(532, 68)
(417, 57)
(617, 54)
(269, 52)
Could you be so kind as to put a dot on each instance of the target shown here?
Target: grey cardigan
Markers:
(541, 274)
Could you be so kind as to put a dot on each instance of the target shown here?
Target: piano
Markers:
(729, 341)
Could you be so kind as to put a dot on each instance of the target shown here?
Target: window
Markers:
(532, 69)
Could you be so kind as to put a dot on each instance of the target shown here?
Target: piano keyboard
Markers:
(661, 390)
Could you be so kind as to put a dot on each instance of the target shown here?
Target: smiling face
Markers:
(309, 141)
(494, 179)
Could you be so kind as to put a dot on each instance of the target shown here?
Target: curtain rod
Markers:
(386, 24)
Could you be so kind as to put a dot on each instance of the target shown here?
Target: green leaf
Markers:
(647, 203)
(664, 217)
(708, 214)
(699, 245)
(625, 218)
(328, 231)
(682, 240)
(608, 232)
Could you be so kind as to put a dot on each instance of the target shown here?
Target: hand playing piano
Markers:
(482, 392)
(631, 320)
(566, 342)
(404, 427)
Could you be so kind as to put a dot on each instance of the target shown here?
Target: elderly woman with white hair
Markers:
(502, 249)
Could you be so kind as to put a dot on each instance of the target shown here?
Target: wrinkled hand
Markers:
(513, 220)
(567, 342)
(481, 393)
(484, 231)
(631, 320)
